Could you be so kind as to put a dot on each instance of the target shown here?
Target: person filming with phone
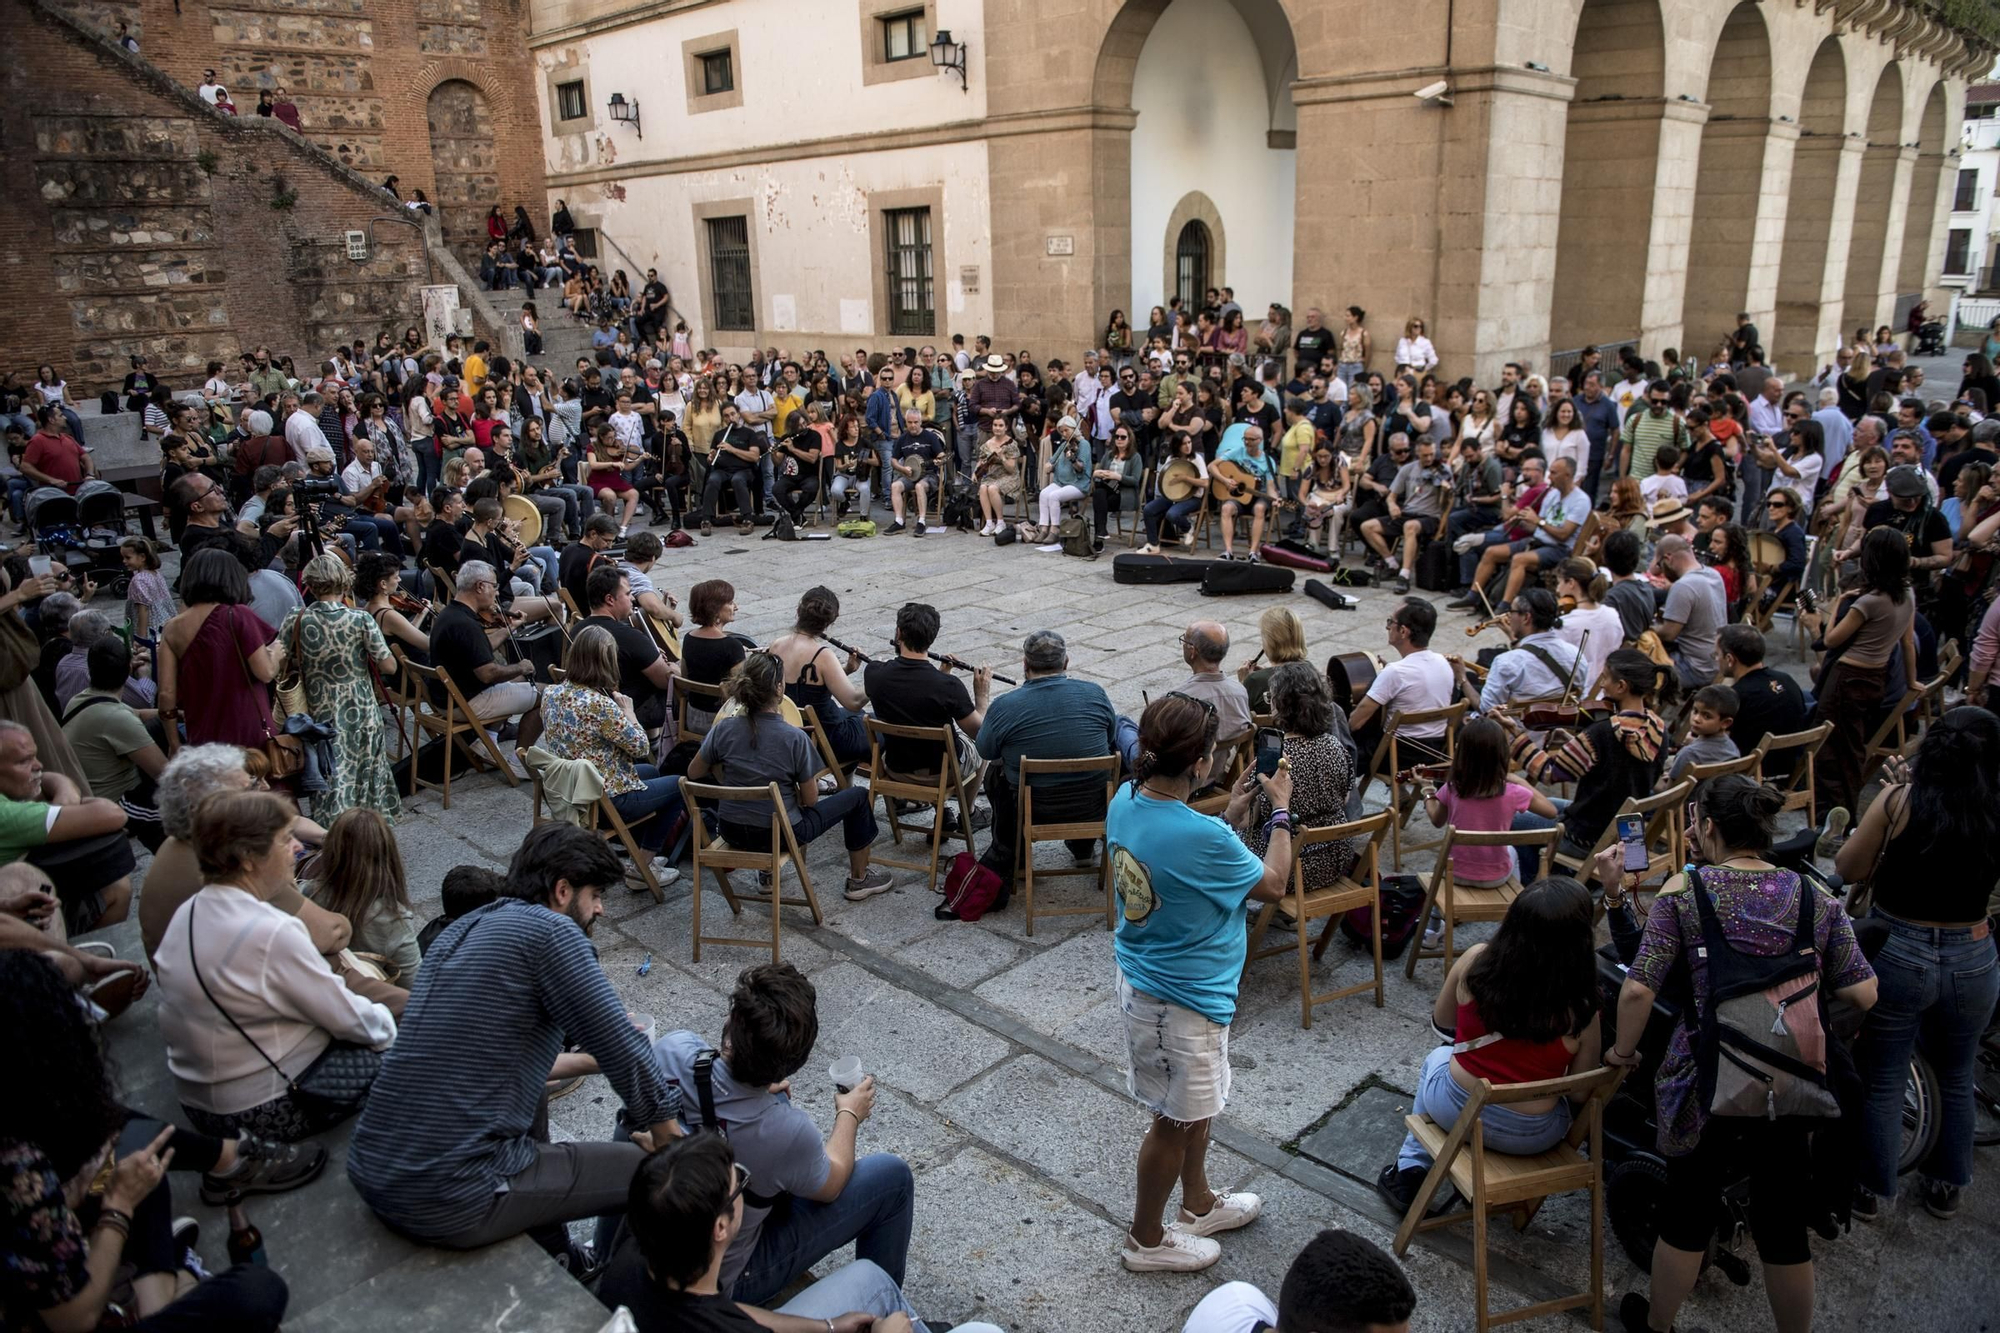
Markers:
(1311, 739)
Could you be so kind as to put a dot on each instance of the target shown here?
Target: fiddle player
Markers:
(1541, 665)
(1418, 681)
(367, 487)
(494, 691)
(372, 531)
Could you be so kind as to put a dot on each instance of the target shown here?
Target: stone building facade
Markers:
(1593, 171)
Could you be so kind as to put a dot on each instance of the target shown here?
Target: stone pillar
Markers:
(1819, 223)
(1934, 180)
(1666, 256)
(1878, 201)
(1746, 166)
(1611, 171)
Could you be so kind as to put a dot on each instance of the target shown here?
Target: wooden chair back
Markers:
(451, 726)
(719, 859)
(1032, 830)
(1750, 765)
(686, 691)
(1797, 786)
(1468, 903)
(918, 789)
(1360, 887)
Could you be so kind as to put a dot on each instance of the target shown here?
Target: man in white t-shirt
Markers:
(1338, 1281)
(1418, 681)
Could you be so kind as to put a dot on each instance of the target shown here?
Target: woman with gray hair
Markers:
(339, 654)
(1322, 770)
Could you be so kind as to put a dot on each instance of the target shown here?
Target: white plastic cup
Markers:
(846, 1073)
(646, 1024)
(39, 566)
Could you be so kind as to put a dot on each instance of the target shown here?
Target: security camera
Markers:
(1434, 92)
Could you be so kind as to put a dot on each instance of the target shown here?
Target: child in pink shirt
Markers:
(1478, 797)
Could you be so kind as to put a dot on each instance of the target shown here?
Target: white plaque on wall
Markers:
(784, 312)
(1062, 245)
(954, 297)
(854, 316)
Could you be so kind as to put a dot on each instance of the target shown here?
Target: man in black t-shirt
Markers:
(1313, 341)
(574, 566)
(909, 691)
(1909, 511)
(444, 547)
(1768, 703)
(644, 673)
(462, 650)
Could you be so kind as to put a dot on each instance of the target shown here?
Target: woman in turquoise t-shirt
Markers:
(1184, 879)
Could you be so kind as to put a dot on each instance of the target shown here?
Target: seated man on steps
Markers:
(1204, 645)
(684, 1211)
(1050, 716)
(809, 1195)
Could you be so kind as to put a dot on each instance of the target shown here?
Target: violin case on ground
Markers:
(1295, 555)
(1225, 578)
(1131, 567)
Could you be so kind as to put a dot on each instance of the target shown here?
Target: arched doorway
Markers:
(1807, 281)
(1729, 190)
(465, 171)
(1867, 302)
(1211, 86)
(1926, 182)
(1611, 152)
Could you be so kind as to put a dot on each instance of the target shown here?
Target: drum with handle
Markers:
(522, 510)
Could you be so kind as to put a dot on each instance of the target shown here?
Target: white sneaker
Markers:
(1232, 1209)
(1052, 546)
(1178, 1252)
(1470, 541)
(665, 873)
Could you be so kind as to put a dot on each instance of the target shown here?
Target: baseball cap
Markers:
(1907, 482)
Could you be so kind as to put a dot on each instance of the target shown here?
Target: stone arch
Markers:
(1610, 169)
(1927, 182)
(1808, 269)
(416, 93)
(1729, 185)
(1866, 300)
(465, 163)
(1194, 207)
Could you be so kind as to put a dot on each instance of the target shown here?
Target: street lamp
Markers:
(947, 54)
(626, 113)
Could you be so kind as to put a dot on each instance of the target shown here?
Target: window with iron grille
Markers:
(912, 308)
(718, 73)
(904, 36)
(569, 101)
(1191, 264)
(1958, 250)
(1967, 198)
(584, 241)
(729, 273)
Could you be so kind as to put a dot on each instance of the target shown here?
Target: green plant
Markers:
(207, 161)
(283, 196)
(1976, 19)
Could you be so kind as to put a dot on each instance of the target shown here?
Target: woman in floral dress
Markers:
(331, 646)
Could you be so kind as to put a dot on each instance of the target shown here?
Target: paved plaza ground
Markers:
(999, 1058)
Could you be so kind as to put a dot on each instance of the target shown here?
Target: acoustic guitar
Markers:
(1350, 675)
(1180, 480)
(1230, 481)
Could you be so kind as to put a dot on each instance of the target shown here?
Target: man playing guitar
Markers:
(1243, 473)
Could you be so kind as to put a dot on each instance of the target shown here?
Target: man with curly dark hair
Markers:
(1339, 1283)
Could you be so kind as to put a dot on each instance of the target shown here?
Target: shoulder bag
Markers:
(286, 754)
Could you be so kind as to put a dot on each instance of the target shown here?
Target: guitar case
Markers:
(1295, 555)
(1328, 597)
(1227, 578)
(1131, 567)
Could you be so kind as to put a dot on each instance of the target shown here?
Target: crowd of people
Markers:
(446, 527)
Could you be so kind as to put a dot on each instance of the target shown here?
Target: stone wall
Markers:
(155, 225)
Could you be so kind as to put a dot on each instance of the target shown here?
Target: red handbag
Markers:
(970, 889)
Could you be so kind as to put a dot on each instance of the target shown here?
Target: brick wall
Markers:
(150, 224)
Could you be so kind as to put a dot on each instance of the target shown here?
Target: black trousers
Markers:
(1074, 801)
(741, 484)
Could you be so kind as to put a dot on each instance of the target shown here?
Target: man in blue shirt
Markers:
(883, 421)
(453, 1146)
(1049, 716)
(1246, 450)
(1598, 415)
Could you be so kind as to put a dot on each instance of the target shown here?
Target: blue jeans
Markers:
(17, 493)
(1468, 564)
(1125, 735)
(1936, 990)
(658, 794)
(875, 1211)
(545, 556)
(1441, 1098)
(1162, 512)
(1531, 857)
(860, 1286)
(847, 807)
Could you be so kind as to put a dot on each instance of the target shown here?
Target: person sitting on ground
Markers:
(816, 677)
(809, 1196)
(1282, 639)
(453, 1147)
(83, 1191)
(644, 672)
(1419, 681)
(359, 876)
(1340, 1283)
(1320, 757)
(907, 691)
(683, 1213)
(590, 718)
(494, 692)
(251, 1015)
(86, 629)
(1768, 702)
(752, 745)
(45, 819)
(1520, 1008)
(1711, 712)
(1050, 715)
(1611, 759)
(119, 756)
(1478, 797)
(1204, 645)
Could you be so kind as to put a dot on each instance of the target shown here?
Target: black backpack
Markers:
(958, 508)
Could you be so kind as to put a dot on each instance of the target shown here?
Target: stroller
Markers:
(100, 510)
(1930, 338)
(82, 530)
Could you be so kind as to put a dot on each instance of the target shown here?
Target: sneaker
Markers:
(1434, 932)
(1231, 1210)
(877, 880)
(896, 527)
(1052, 546)
(622, 530)
(1178, 1252)
(1097, 547)
(186, 1232)
(1403, 581)
(1187, 539)
(1398, 1185)
(1471, 541)
(1866, 1206)
(1254, 558)
(982, 818)
(1149, 549)
(1465, 603)
(988, 529)
(1833, 833)
(264, 1166)
(665, 872)
(1940, 1199)
(921, 529)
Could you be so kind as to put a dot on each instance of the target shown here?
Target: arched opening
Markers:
(1211, 86)
(1804, 274)
(1870, 295)
(1926, 184)
(1729, 184)
(1191, 272)
(1611, 155)
(465, 168)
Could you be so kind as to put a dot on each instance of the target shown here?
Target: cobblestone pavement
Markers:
(999, 1058)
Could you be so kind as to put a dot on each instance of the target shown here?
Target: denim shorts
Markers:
(1179, 1059)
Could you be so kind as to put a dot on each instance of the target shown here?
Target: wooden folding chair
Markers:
(452, 726)
(1468, 903)
(1493, 1181)
(1797, 786)
(1388, 761)
(1902, 728)
(1031, 832)
(1214, 798)
(607, 823)
(934, 791)
(443, 586)
(1750, 765)
(712, 698)
(1360, 887)
(719, 859)
(1665, 813)
(809, 723)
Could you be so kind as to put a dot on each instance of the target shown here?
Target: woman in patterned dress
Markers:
(1322, 768)
(334, 644)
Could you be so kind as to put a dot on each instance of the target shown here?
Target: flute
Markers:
(955, 663)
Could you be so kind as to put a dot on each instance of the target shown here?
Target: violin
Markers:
(1480, 627)
(408, 605)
